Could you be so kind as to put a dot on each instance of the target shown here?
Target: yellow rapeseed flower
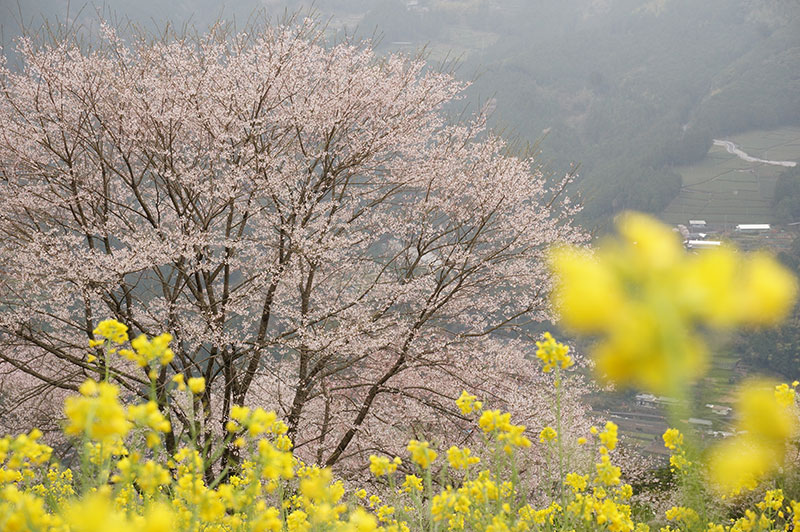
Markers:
(682, 513)
(785, 394)
(491, 420)
(411, 483)
(513, 436)
(111, 329)
(382, 466)
(178, 379)
(548, 435)
(609, 436)
(421, 453)
(773, 500)
(577, 482)
(468, 403)
(97, 413)
(148, 351)
(148, 415)
(197, 385)
(607, 473)
(552, 353)
(461, 458)
(318, 486)
(672, 439)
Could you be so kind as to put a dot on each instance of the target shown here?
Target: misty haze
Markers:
(400, 265)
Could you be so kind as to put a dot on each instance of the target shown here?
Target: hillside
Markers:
(629, 89)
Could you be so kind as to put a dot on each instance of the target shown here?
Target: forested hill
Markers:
(627, 88)
(632, 89)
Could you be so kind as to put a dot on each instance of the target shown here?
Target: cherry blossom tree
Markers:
(300, 215)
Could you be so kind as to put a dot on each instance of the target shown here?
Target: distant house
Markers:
(753, 228)
(697, 223)
(699, 422)
(720, 410)
(648, 399)
(702, 244)
(721, 434)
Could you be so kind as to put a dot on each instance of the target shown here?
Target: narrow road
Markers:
(732, 149)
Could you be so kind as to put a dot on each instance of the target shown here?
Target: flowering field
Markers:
(647, 304)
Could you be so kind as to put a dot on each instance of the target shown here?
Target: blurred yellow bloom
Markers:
(647, 300)
(762, 415)
(96, 513)
(96, 413)
(148, 415)
(765, 424)
(360, 521)
(159, 518)
(587, 293)
(239, 413)
(768, 290)
(739, 464)
(274, 462)
(318, 486)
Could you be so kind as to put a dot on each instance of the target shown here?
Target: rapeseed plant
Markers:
(649, 303)
(642, 283)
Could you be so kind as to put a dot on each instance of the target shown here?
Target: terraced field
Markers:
(723, 188)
